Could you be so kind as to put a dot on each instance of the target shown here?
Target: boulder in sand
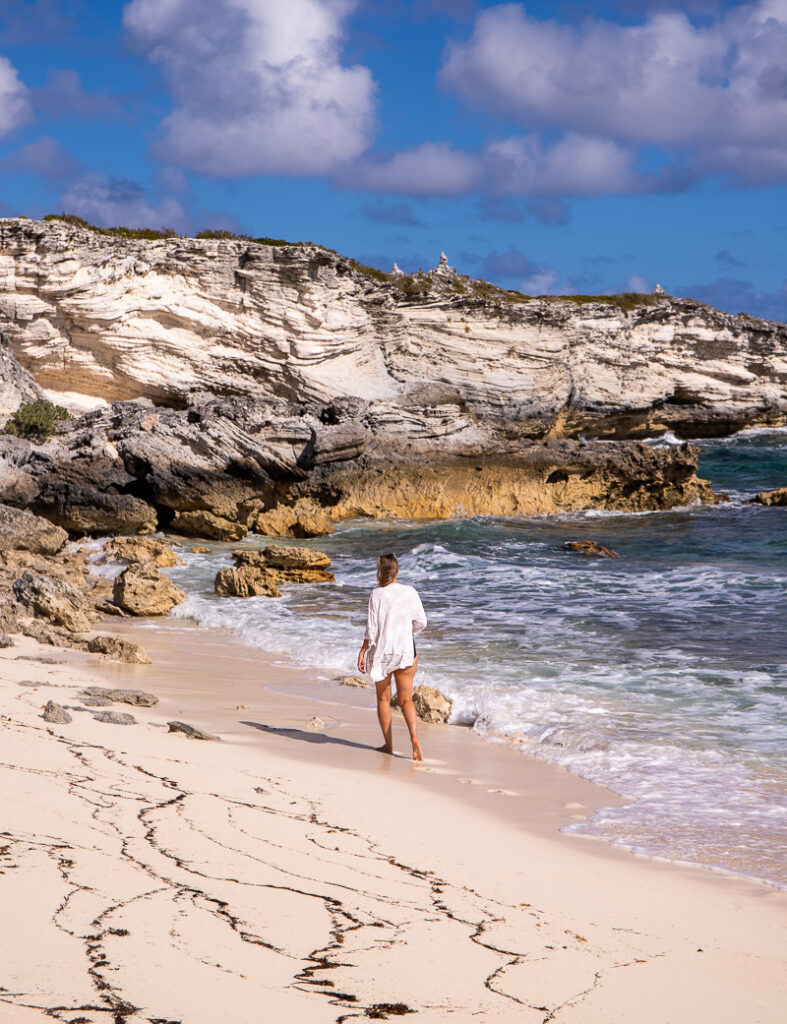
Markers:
(359, 682)
(142, 590)
(138, 698)
(115, 718)
(20, 530)
(191, 731)
(246, 581)
(118, 649)
(56, 714)
(590, 549)
(55, 600)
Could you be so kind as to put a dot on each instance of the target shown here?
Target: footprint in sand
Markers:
(503, 792)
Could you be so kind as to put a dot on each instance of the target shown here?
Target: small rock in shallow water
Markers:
(115, 718)
(191, 731)
(431, 705)
(361, 682)
(56, 714)
(590, 549)
(777, 497)
(201, 549)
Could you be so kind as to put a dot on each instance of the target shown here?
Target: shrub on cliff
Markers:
(36, 420)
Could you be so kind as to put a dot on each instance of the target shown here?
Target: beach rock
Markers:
(590, 549)
(143, 551)
(246, 581)
(431, 705)
(777, 497)
(55, 600)
(6, 641)
(119, 696)
(360, 682)
(205, 524)
(191, 731)
(145, 591)
(118, 649)
(22, 531)
(201, 549)
(115, 718)
(56, 714)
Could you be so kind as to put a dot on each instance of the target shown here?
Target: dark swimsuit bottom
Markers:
(415, 652)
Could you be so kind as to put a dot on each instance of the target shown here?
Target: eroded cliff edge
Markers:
(243, 377)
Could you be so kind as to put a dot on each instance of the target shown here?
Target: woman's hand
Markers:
(362, 660)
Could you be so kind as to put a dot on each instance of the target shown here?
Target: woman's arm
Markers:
(370, 635)
(362, 655)
(419, 615)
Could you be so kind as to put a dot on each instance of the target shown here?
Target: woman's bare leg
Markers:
(404, 697)
(384, 713)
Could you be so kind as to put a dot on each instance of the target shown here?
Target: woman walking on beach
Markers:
(395, 615)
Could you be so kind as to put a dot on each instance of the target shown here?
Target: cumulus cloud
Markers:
(259, 87)
(432, 169)
(112, 202)
(716, 90)
(15, 106)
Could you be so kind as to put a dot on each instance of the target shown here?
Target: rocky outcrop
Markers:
(590, 549)
(304, 518)
(109, 696)
(16, 385)
(114, 319)
(287, 564)
(23, 531)
(142, 590)
(777, 497)
(54, 600)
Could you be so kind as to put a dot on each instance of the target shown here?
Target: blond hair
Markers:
(387, 569)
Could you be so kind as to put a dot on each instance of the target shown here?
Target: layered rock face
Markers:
(281, 388)
(110, 318)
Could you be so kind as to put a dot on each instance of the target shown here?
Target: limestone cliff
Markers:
(110, 318)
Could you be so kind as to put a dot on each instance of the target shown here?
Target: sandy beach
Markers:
(291, 873)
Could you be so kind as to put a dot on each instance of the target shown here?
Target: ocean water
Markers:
(662, 674)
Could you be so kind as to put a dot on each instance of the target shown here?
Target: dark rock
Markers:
(20, 530)
(771, 498)
(590, 549)
(55, 600)
(115, 718)
(56, 714)
(119, 649)
(137, 697)
(6, 641)
(191, 731)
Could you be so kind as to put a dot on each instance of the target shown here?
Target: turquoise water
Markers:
(662, 674)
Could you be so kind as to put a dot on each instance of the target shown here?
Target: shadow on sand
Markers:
(309, 737)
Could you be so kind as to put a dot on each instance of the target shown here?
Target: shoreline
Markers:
(531, 924)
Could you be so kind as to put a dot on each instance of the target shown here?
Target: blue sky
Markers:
(552, 147)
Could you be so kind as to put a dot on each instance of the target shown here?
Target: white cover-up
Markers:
(395, 614)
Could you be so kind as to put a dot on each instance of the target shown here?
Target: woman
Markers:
(395, 614)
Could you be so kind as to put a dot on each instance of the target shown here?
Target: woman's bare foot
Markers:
(385, 749)
(418, 754)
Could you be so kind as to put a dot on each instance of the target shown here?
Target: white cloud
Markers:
(432, 169)
(258, 85)
(716, 90)
(15, 106)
